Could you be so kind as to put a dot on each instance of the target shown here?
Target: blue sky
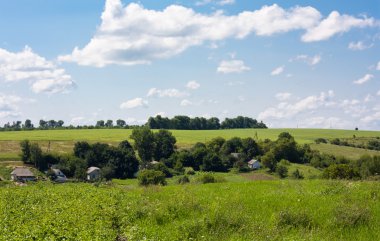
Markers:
(289, 63)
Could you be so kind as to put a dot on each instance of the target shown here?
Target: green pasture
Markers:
(258, 210)
(62, 141)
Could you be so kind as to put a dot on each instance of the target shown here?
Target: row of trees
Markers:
(200, 123)
(158, 122)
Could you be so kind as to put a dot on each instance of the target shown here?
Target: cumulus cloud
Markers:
(277, 70)
(221, 2)
(283, 96)
(364, 79)
(186, 102)
(232, 66)
(154, 92)
(45, 76)
(134, 103)
(359, 46)
(132, 34)
(310, 60)
(378, 66)
(288, 110)
(9, 105)
(334, 24)
(193, 85)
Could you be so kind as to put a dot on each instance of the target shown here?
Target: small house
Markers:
(93, 173)
(59, 176)
(22, 174)
(254, 164)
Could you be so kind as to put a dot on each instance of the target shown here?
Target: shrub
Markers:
(183, 180)
(297, 174)
(349, 215)
(189, 171)
(209, 178)
(293, 219)
(335, 141)
(151, 177)
(320, 140)
(282, 169)
(340, 171)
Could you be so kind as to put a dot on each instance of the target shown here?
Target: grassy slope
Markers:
(63, 140)
(347, 151)
(263, 210)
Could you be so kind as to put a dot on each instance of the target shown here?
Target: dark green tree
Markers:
(144, 143)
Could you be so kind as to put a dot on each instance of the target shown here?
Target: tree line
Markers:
(180, 122)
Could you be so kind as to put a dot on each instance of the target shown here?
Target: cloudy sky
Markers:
(288, 63)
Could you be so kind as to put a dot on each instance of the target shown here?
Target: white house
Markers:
(22, 174)
(254, 164)
(93, 173)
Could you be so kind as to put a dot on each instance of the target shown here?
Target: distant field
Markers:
(347, 151)
(63, 140)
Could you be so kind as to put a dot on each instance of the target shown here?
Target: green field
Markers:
(63, 140)
(241, 210)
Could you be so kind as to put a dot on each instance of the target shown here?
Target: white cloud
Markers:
(286, 110)
(9, 105)
(221, 2)
(359, 46)
(166, 93)
(132, 34)
(364, 79)
(373, 117)
(277, 71)
(368, 98)
(283, 96)
(44, 75)
(310, 60)
(193, 85)
(137, 102)
(232, 66)
(186, 102)
(378, 66)
(378, 93)
(226, 2)
(335, 23)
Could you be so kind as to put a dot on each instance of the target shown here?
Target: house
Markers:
(254, 164)
(22, 174)
(58, 175)
(93, 173)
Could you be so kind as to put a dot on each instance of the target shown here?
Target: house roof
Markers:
(22, 172)
(252, 161)
(91, 169)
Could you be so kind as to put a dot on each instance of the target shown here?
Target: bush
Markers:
(335, 141)
(340, 171)
(297, 174)
(209, 178)
(320, 140)
(189, 171)
(151, 177)
(293, 219)
(351, 215)
(282, 169)
(183, 180)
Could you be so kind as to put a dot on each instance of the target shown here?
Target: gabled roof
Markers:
(252, 161)
(91, 169)
(22, 172)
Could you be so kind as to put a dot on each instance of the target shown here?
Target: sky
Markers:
(305, 64)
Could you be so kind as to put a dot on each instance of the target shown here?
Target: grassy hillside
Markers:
(261, 210)
(63, 140)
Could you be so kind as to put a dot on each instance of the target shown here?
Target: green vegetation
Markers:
(265, 210)
(62, 141)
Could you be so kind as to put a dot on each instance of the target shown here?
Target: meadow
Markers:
(236, 210)
(62, 141)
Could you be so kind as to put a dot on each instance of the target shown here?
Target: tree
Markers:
(43, 124)
(151, 177)
(81, 148)
(60, 123)
(28, 124)
(144, 144)
(164, 144)
(25, 151)
(100, 123)
(36, 157)
(120, 123)
(269, 161)
(109, 123)
(215, 144)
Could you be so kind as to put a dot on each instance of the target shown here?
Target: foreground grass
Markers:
(62, 141)
(262, 210)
